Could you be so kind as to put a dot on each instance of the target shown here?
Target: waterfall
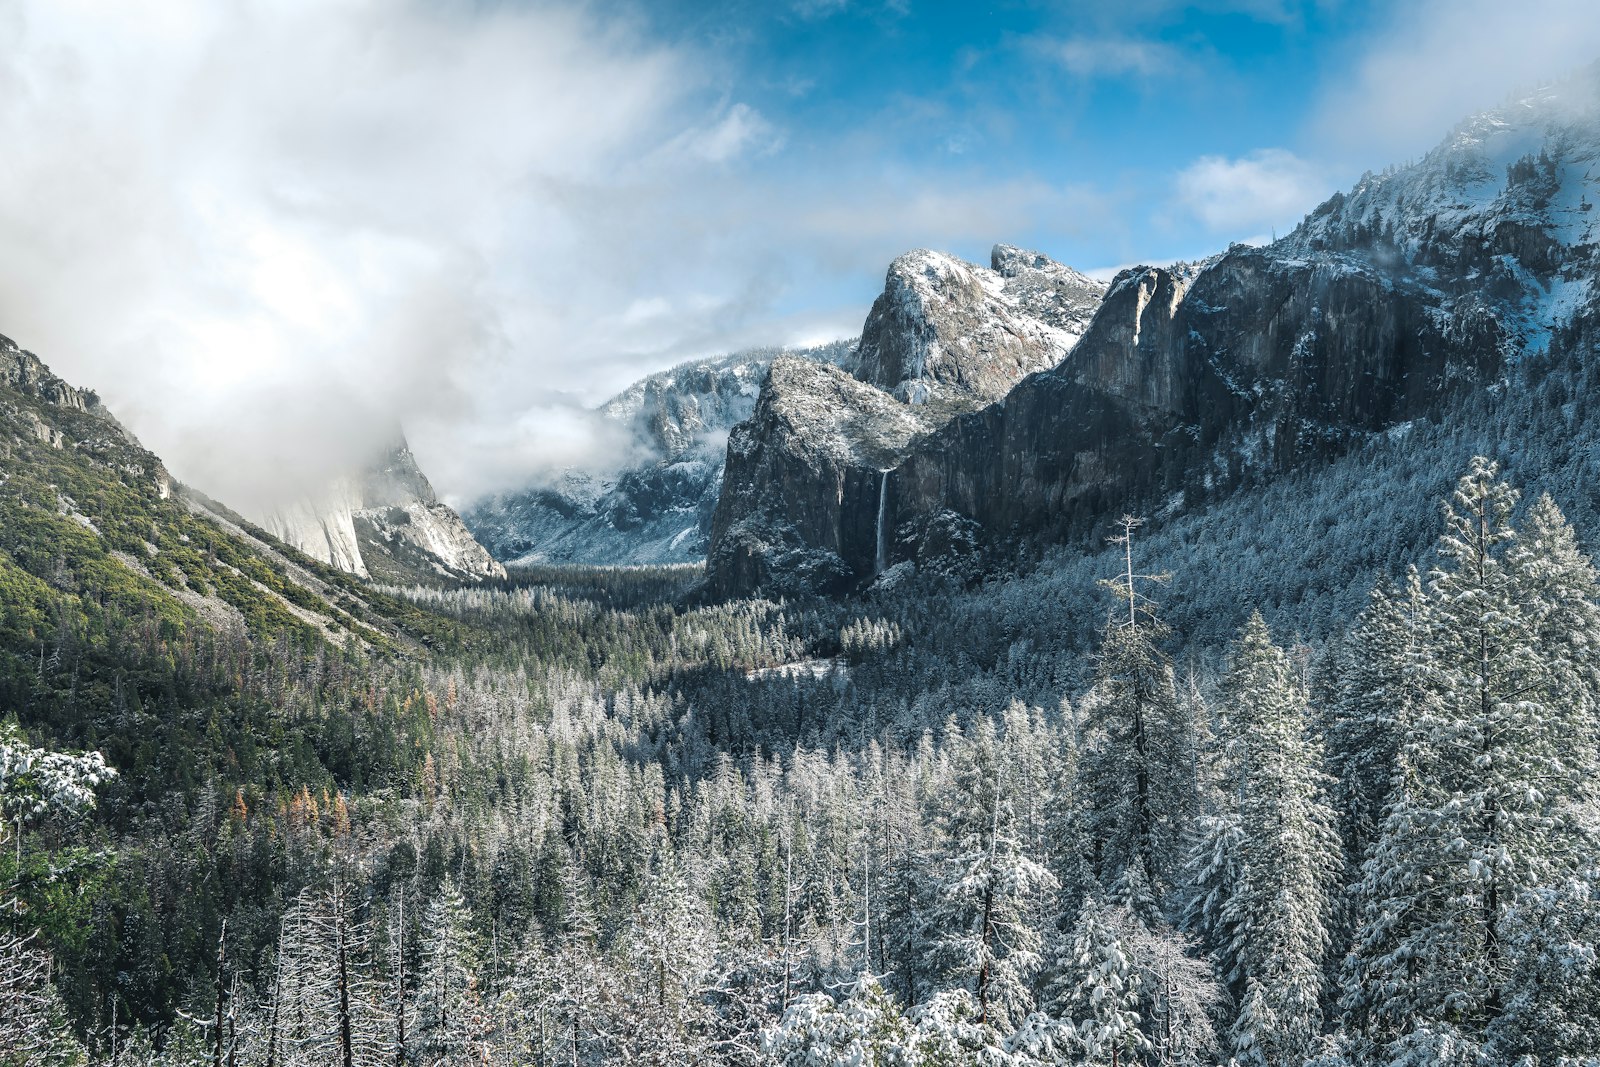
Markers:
(883, 535)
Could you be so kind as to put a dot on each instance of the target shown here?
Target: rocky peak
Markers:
(1129, 349)
(395, 480)
(1499, 218)
(806, 500)
(672, 413)
(24, 372)
(945, 329)
(656, 506)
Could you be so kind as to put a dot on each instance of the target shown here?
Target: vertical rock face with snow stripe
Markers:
(386, 524)
(805, 502)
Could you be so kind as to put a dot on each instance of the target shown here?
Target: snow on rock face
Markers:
(806, 502)
(943, 327)
(1389, 304)
(385, 523)
(657, 508)
(1499, 217)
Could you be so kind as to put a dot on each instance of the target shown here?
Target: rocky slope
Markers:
(804, 486)
(386, 523)
(657, 507)
(94, 529)
(24, 374)
(1387, 304)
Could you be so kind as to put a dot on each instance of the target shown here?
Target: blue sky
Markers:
(1115, 104)
(269, 230)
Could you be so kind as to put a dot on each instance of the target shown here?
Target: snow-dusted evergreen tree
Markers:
(670, 949)
(324, 1004)
(1136, 770)
(1264, 867)
(33, 1026)
(1562, 582)
(987, 912)
(1098, 990)
(1363, 722)
(1490, 785)
(867, 1028)
(447, 995)
(1552, 938)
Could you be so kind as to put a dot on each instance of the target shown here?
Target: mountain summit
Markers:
(805, 488)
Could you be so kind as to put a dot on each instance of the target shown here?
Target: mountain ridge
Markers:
(1384, 305)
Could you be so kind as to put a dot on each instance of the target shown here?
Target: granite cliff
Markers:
(387, 524)
(805, 484)
(1387, 304)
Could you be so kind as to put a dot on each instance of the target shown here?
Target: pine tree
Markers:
(670, 947)
(1098, 990)
(990, 892)
(1265, 866)
(1489, 786)
(1374, 686)
(1136, 773)
(447, 995)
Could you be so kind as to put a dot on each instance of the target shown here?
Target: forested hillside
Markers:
(1246, 808)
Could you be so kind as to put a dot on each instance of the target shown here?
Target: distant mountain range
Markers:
(945, 336)
(989, 410)
(657, 508)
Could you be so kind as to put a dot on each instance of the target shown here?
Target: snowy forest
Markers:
(602, 824)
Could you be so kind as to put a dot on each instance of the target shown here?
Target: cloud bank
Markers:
(269, 231)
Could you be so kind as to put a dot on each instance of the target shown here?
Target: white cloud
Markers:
(1245, 197)
(1111, 57)
(738, 131)
(269, 230)
(1435, 62)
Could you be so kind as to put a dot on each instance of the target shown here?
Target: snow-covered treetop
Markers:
(36, 783)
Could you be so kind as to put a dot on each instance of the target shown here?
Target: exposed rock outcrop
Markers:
(946, 329)
(657, 506)
(386, 524)
(804, 488)
(23, 371)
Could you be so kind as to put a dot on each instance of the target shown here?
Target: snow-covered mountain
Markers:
(945, 336)
(385, 523)
(805, 488)
(946, 329)
(1391, 303)
(657, 507)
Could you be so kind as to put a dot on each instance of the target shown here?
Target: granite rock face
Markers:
(805, 490)
(945, 329)
(1385, 305)
(656, 507)
(386, 524)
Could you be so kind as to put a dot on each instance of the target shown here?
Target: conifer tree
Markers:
(1488, 794)
(1136, 771)
(986, 913)
(1098, 991)
(1264, 869)
(447, 995)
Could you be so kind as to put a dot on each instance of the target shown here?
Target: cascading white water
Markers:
(883, 535)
